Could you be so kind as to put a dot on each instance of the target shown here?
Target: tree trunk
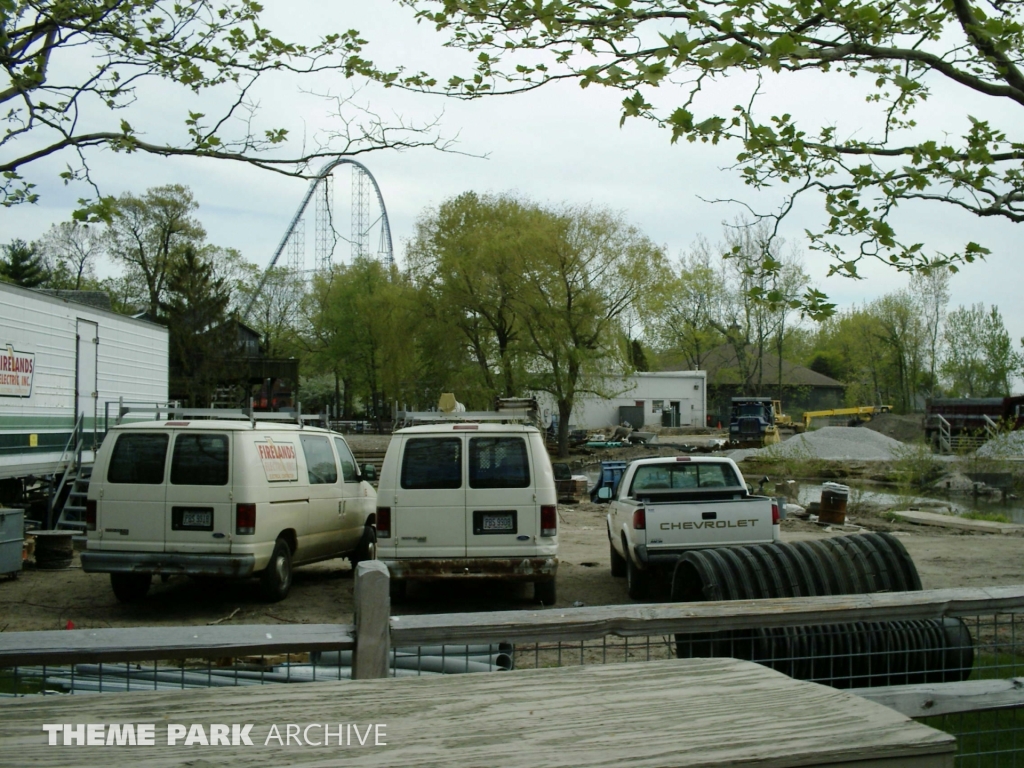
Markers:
(564, 414)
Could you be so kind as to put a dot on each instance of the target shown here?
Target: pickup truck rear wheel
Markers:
(638, 582)
(276, 579)
(618, 561)
(130, 587)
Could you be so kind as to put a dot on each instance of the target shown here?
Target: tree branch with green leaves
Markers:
(667, 56)
(74, 78)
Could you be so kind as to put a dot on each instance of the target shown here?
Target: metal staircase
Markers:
(72, 512)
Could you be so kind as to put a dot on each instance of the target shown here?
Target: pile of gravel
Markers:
(832, 444)
(1006, 444)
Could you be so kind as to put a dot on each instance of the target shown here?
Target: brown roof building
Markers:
(730, 376)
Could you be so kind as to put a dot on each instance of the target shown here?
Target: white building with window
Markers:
(648, 399)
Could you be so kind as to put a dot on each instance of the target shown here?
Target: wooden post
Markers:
(372, 616)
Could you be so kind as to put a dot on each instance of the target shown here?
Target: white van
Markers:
(468, 501)
(224, 498)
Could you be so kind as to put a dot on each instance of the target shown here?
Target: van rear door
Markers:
(131, 504)
(502, 518)
(198, 514)
(429, 509)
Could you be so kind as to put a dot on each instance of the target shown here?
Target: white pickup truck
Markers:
(667, 505)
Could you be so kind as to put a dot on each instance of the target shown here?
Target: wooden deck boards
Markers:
(692, 712)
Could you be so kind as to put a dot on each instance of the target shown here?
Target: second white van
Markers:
(468, 501)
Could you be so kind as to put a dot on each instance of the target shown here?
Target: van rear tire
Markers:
(545, 592)
(130, 587)
(276, 579)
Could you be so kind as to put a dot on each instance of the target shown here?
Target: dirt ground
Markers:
(322, 593)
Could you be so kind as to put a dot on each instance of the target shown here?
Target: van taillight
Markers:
(640, 519)
(245, 519)
(775, 514)
(90, 515)
(549, 520)
(383, 522)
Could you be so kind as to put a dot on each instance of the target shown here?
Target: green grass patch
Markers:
(19, 685)
(992, 517)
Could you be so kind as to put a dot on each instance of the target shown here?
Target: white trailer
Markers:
(61, 363)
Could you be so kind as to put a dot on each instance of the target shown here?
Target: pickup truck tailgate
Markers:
(671, 525)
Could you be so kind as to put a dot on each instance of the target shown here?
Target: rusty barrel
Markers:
(833, 503)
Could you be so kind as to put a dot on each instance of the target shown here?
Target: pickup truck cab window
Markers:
(678, 476)
(138, 459)
(432, 463)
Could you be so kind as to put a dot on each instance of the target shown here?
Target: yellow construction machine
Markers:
(857, 414)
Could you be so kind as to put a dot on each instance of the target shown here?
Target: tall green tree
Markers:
(72, 249)
(863, 166)
(23, 265)
(690, 304)
(468, 257)
(360, 328)
(84, 76)
(201, 340)
(980, 360)
(587, 270)
(148, 235)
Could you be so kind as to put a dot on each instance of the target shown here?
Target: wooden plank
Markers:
(688, 713)
(372, 608)
(948, 698)
(958, 523)
(149, 643)
(569, 624)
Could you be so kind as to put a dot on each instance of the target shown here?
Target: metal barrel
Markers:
(833, 503)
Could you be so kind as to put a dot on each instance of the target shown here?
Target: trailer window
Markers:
(200, 459)
(138, 459)
(320, 465)
(498, 462)
(432, 463)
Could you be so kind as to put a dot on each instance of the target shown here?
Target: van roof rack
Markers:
(174, 410)
(506, 409)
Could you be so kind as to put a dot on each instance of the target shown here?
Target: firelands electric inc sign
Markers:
(16, 372)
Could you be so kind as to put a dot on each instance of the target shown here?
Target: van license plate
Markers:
(191, 519)
(500, 521)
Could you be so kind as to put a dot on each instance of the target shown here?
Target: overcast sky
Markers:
(559, 144)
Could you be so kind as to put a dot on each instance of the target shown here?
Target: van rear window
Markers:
(432, 463)
(200, 459)
(138, 459)
(498, 462)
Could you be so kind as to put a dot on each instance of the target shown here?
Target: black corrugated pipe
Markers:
(842, 655)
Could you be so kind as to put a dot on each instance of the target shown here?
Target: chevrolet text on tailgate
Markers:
(667, 505)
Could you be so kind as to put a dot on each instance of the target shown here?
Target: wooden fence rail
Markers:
(376, 631)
